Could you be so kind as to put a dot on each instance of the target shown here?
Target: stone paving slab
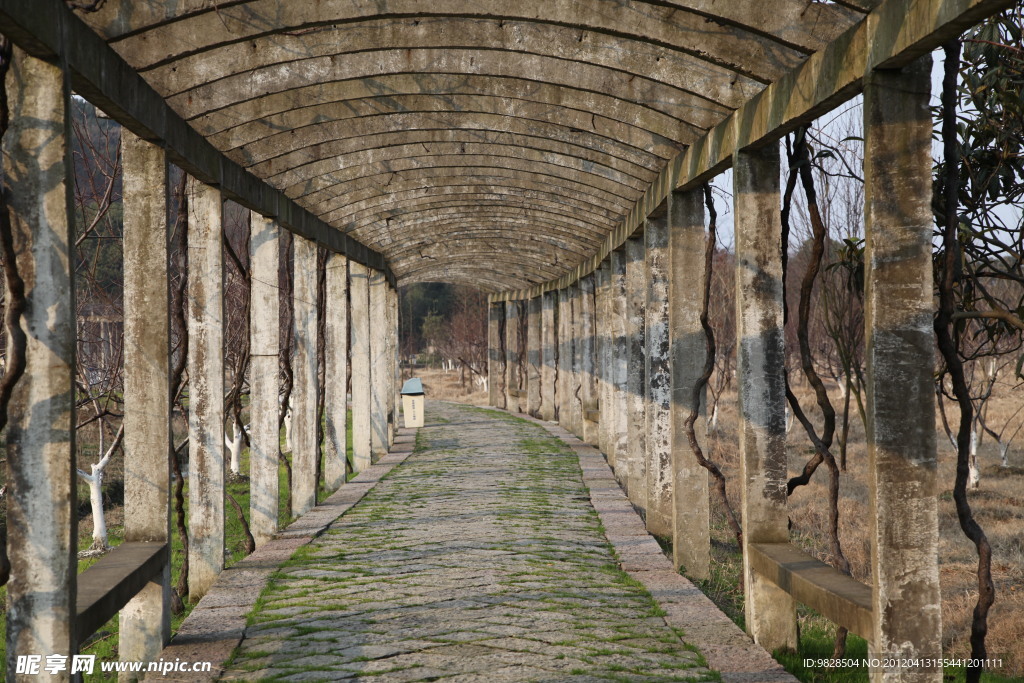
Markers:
(724, 645)
(481, 558)
(216, 625)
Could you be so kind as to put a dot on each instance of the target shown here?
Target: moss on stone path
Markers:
(478, 558)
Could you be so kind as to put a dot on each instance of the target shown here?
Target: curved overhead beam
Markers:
(381, 184)
(896, 33)
(727, 44)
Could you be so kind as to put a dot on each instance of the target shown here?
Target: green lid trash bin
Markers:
(412, 402)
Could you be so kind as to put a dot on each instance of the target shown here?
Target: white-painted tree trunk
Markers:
(974, 474)
(100, 538)
(1004, 448)
(713, 422)
(288, 430)
(234, 446)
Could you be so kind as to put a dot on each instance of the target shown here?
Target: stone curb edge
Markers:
(217, 624)
(724, 645)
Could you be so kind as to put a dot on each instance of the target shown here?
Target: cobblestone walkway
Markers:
(479, 558)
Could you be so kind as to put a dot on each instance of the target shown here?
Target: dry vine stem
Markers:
(709, 366)
(800, 163)
(948, 347)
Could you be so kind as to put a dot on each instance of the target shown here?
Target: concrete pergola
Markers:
(548, 151)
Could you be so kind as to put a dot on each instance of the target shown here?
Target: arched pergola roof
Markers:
(494, 143)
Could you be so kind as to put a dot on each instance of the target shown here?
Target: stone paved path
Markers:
(479, 558)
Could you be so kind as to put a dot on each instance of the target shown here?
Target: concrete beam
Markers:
(117, 580)
(691, 537)
(362, 372)
(50, 31)
(635, 470)
(41, 507)
(900, 353)
(145, 623)
(811, 582)
(658, 387)
(336, 373)
(760, 361)
(206, 387)
(533, 356)
(264, 379)
(305, 417)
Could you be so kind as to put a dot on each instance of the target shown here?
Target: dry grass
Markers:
(446, 386)
(998, 507)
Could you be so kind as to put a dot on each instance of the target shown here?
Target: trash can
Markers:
(412, 402)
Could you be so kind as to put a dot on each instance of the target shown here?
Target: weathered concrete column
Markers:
(394, 399)
(761, 359)
(658, 386)
(900, 352)
(206, 387)
(380, 370)
(620, 349)
(586, 329)
(565, 352)
(691, 539)
(533, 356)
(636, 376)
(264, 378)
(576, 331)
(549, 356)
(359, 295)
(41, 516)
(496, 354)
(513, 349)
(145, 622)
(336, 372)
(390, 359)
(305, 447)
(602, 286)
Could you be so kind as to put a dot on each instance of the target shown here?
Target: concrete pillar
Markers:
(576, 378)
(900, 352)
(496, 354)
(533, 356)
(636, 376)
(206, 387)
(549, 356)
(264, 378)
(513, 348)
(603, 350)
(336, 372)
(145, 622)
(395, 376)
(588, 358)
(691, 540)
(359, 293)
(380, 367)
(565, 386)
(41, 509)
(305, 446)
(761, 359)
(619, 363)
(658, 387)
